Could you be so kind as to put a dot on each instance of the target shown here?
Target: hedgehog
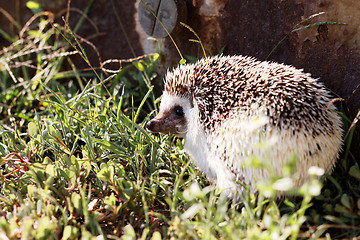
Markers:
(227, 108)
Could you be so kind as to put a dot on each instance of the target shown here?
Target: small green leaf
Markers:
(31, 191)
(355, 172)
(340, 209)
(32, 129)
(34, 6)
(156, 56)
(50, 170)
(104, 174)
(328, 207)
(183, 61)
(129, 233)
(145, 233)
(86, 164)
(110, 200)
(70, 232)
(37, 170)
(345, 200)
(139, 66)
(45, 228)
(35, 82)
(54, 132)
(73, 173)
(156, 236)
(76, 201)
(46, 160)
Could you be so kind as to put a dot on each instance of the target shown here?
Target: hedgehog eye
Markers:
(179, 111)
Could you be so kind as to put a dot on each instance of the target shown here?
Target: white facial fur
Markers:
(197, 143)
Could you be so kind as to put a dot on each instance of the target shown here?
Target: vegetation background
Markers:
(76, 161)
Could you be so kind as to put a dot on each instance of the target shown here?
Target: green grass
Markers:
(76, 161)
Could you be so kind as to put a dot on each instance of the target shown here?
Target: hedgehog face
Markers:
(172, 118)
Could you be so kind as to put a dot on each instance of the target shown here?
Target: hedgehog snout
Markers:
(150, 126)
(172, 122)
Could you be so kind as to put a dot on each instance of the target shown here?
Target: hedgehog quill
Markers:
(224, 107)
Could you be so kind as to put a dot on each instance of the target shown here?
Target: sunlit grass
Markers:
(76, 161)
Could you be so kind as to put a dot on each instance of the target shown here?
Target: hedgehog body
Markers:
(224, 107)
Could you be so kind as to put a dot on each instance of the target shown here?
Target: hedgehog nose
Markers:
(150, 125)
